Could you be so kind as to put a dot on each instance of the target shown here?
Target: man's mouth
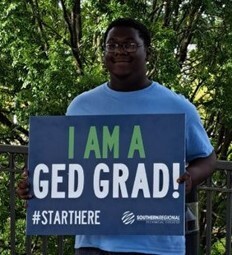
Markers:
(121, 61)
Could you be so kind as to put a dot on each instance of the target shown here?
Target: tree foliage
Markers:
(51, 50)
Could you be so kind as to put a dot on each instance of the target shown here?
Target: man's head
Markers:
(128, 22)
(126, 44)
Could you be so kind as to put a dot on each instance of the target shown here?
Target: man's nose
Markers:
(120, 50)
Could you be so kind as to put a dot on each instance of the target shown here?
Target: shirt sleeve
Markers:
(198, 143)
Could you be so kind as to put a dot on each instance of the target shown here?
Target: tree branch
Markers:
(73, 22)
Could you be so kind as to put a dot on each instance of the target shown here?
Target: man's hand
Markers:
(186, 177)
(23, 186)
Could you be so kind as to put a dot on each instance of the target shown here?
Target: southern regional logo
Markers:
(128, 217)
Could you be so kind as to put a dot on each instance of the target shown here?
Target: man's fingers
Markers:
(186, 178)
(23, 189)
(181, 179)
(23, 184)
(24, 194)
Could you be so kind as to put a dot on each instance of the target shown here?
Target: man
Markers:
(129, 91)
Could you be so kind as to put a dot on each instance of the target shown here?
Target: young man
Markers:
(129, 91)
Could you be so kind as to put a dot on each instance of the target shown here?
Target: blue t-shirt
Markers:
(155, 99)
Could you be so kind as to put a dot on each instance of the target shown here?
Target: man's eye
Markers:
(130, 45)
(112, 46)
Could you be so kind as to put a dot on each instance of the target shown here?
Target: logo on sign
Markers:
(128, 217)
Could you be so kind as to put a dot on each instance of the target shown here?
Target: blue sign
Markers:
(106, 175)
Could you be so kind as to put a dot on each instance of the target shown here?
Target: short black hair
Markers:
(132, 23)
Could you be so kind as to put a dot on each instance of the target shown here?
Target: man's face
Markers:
(121, 63)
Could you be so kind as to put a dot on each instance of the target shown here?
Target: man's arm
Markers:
(197, 171)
